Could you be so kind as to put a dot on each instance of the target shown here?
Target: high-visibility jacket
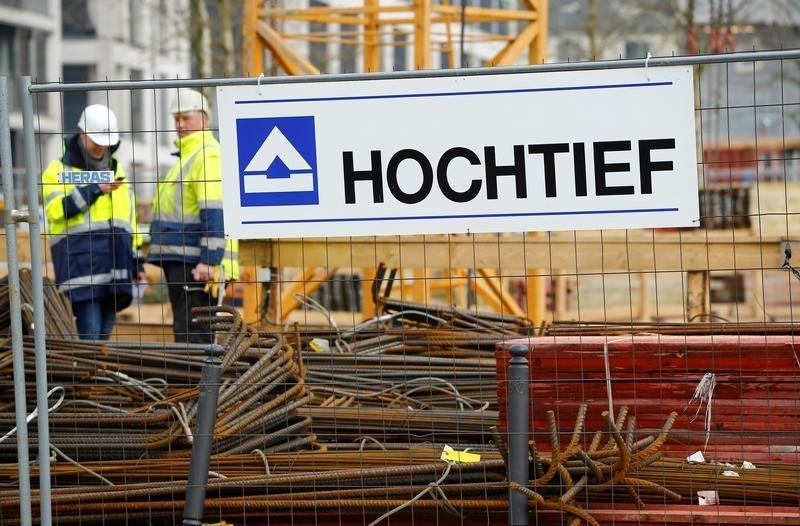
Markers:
(187, 220)
(93, 236)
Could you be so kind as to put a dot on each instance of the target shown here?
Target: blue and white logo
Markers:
(277, 161)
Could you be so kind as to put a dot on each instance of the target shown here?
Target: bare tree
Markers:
(226, 38)
(200, 36)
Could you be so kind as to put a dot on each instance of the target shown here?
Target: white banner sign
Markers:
(489, 153)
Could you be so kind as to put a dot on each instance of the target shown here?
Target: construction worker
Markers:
(90, 217)
(186, 235)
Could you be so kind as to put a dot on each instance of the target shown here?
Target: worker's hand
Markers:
(107, 188)
(141, 277)
(203, 272)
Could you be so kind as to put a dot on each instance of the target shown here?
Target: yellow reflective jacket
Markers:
(187, 220)
(93, 236)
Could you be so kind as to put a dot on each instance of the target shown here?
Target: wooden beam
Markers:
(698, 296)
(251, 293)
(557, 253)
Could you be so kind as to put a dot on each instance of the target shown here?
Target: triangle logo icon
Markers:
(276, 147)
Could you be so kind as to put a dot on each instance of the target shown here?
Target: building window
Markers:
(400, 52)
(75, 19)
(317, 47)
(40, 6)
(74, 101)
(137, 103)
(347, 49)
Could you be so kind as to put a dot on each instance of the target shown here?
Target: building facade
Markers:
(91, 40)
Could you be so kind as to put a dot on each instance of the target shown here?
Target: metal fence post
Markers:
(194, 506)
(15, 314)
(34, 232)
(518, 431)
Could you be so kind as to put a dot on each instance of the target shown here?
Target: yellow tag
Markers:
(318, 345)
(451, 455)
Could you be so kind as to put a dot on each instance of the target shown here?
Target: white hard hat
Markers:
(189, 100)
(100, 124)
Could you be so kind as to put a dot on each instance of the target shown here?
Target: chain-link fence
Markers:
(362, 379)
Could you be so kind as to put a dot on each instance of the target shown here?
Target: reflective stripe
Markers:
(174, 250)
(175, 176)
(212, 243)
(53, 239)
(80, 202)
(94, 279)
(94, 226)
(185, 166)
(53, 196)
(177, 217)
(215, 204)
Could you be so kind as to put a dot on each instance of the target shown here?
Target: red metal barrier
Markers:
(755, 406)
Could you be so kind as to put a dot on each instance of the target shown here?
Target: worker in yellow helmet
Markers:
(186, 234)
(91, 224)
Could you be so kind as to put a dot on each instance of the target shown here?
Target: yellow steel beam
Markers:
(308, 283)
(301, 14)
(253, 46)
(372, 45)
(486, 14)
(538, 48)
(440, 15)
(331, 18)
(422, 34)
(508, 304)
(514, 49)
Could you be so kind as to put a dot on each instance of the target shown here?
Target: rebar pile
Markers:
(415, 373)
(58, 319)
(124, 401)
(325, 424)
(371, 482)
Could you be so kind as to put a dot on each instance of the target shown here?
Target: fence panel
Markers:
(364, 379)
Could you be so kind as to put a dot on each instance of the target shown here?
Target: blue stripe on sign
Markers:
(460, 216)
(462, 93)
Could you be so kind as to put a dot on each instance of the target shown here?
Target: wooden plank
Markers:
(698, 296)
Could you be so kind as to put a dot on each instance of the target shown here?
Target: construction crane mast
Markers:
(434, 27)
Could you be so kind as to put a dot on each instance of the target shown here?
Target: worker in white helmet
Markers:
(187, 239)
(91, 227)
